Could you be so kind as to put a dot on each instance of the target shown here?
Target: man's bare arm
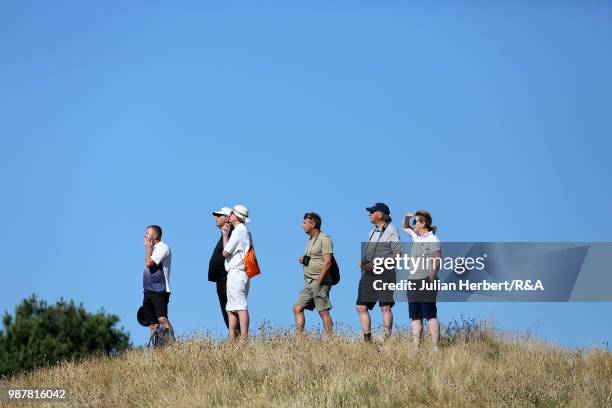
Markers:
(325, 268)
(149, 263)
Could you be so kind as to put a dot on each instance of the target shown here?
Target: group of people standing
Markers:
(227, 271)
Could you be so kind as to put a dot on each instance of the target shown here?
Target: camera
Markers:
(306, 260)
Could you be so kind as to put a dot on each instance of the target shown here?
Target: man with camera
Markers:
(383, 242)
(317, 261)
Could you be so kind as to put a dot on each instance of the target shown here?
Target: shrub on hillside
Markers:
(41, 334)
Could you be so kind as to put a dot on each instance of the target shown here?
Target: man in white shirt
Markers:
(422, 303)
(156, 279)
(235, 248)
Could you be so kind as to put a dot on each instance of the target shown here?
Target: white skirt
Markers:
(237, 290)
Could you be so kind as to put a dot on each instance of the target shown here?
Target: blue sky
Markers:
(495, 116)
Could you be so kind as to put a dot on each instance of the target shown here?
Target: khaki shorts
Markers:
(314, 295)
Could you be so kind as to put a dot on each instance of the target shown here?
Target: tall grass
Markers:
(476, 366)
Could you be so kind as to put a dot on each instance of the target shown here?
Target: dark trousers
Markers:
(222, 294)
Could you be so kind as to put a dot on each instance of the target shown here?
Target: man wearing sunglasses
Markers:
(422, 303)
(383, 242)
(216, 266)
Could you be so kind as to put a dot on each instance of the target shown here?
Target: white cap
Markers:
(241, 212)
(223, 211)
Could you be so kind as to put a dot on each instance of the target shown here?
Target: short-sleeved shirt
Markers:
(157, 277)
(424, 247)
(383, 242)
(315, 248)
(238, 245)
(216, 265)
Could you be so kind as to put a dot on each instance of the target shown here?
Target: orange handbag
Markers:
(251, 266)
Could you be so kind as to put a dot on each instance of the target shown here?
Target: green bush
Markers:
(42, 335)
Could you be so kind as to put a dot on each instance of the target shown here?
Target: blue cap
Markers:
(382, 207)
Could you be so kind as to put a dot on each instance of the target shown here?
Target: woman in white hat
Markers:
(235, 248)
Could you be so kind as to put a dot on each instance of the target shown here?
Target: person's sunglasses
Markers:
(415, 220)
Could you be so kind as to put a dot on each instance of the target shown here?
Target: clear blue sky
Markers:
(495, 116)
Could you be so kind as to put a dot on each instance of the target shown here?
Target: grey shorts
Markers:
(314, 295)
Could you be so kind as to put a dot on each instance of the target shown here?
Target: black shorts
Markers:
(367, 295)
(422, 303)
(157, 303)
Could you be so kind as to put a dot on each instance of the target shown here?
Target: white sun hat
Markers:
(241, 212)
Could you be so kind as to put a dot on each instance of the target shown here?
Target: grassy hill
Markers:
(475, 367)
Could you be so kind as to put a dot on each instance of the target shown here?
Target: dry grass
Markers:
(474, 368)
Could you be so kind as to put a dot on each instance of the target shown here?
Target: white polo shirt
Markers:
(424, 246)
(238, 245)
(157, 279)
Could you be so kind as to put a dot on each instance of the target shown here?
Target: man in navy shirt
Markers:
(216, 266)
